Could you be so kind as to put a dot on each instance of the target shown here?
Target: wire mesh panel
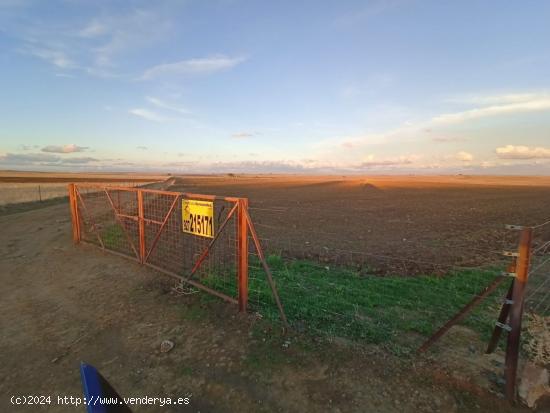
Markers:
(107, 218)
(150, 225)
(210, 260)
(538, 291)
(536, 327)
(333, 287)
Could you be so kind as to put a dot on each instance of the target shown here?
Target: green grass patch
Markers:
(113, 236)
(395, 311)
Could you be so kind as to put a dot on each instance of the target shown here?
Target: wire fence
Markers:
(14, 193)
(538, 291)
(332, 279)
(537, 302)
(336, 287)
(307, 235)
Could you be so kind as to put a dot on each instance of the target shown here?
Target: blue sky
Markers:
(397, 86)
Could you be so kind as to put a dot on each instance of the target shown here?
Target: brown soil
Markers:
(62, 304)
(50, 177)
(393, 224)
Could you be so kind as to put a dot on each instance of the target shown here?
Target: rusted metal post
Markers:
(141, 226)
(516, 312)
(242, 254)
(73, 206)
(503, 315)
(501, 321)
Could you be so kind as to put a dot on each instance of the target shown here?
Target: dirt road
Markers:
(63, 304)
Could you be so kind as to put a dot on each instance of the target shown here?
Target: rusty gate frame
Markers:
(244, 225)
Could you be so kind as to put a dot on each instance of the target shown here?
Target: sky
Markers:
(395, 86)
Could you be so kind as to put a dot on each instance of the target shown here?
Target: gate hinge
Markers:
(503, 326)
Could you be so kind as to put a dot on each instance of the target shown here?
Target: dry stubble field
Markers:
(17, 188)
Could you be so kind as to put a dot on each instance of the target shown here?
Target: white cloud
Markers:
(125, 32)
(147, 114)
(448, 139)
(385, 163)
(366, 139)
(494, 99)
(350, 150)
(464, 156)
(10, 158)
(71, 148)
(46, 159)
(487, 164)
(350, 144)
(55, 57)
(93, 29)
(534, 104)
(194, 66)
(110, 34)
(165, 105)
(243, 135)
(441, 124)
(81, 160)
(522, 152)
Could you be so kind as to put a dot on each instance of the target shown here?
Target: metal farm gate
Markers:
(202, 240)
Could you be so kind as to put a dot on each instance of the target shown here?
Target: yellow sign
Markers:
(198, 217)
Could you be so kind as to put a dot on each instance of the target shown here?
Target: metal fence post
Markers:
(141, 226)
(242, 254)
(516, 312)
(73, 205)
(504, 311)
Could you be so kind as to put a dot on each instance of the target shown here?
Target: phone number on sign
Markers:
(199, 224)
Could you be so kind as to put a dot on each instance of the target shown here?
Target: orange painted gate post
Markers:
(141, 226)
(242, 254)
(73, 205)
